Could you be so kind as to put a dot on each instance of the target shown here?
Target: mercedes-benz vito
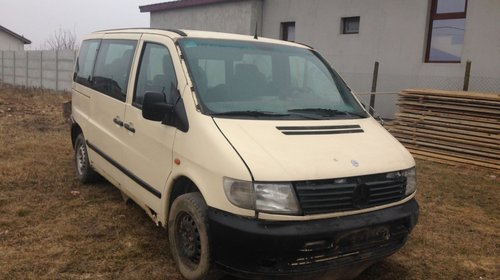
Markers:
(253, 153)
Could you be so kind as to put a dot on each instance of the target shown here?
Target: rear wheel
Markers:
(189, 238)
(84, 171)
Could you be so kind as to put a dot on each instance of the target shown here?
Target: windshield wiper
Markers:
(361, 115)
(250, 113)
(327, 112)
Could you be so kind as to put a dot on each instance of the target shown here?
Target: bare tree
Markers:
(62, 39)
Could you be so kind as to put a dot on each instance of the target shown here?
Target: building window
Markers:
(350, 25)
(446, 31)
(288, 31)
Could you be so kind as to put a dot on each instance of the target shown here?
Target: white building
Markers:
(11, 41)
(424, 43)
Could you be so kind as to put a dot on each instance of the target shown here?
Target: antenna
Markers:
(255, 35)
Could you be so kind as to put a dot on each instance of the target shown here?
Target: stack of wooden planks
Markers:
(450, 127)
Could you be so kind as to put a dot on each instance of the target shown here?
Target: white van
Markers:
(252, 152)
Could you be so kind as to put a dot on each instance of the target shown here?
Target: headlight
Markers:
(263, 197)
(411, 180)
(275, 198)
(240, 193)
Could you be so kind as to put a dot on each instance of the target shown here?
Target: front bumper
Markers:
(256, 248)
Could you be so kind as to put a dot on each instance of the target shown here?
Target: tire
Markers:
(189, 237)
(84, 171)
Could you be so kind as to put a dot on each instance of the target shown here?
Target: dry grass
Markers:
(51, 227)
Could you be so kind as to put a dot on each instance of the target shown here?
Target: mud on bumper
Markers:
(253, 248)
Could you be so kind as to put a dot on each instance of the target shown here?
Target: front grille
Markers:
(346, 194)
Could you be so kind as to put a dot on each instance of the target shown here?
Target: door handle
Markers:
(129, 127)
(118, 121)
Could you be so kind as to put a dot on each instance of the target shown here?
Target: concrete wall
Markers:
(233, 17)
(393, 32)
(10, 43)
(45, 69)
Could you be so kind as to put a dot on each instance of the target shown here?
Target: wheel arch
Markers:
(75, 131)
(180, 185)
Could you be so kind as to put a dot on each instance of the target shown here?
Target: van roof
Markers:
(182, 33)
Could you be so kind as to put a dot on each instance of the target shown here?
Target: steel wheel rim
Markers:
(188, 239)
(80, 159)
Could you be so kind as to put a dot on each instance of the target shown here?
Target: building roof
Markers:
(178, 4)
(17, 36)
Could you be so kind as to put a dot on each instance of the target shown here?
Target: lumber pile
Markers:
(450, 127)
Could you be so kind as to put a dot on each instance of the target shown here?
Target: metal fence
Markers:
(44, 69)
(381, 89)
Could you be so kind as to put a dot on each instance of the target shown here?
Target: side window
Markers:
(112, 67)
(156, 73)
(85, 62)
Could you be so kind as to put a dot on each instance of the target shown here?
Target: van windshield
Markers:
(244, 79)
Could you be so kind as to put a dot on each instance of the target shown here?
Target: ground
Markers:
(52, 227)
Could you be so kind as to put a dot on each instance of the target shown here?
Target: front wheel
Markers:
(189, 238)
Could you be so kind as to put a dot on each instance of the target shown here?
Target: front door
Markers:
(149, 144)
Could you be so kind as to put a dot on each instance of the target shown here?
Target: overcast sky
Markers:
(39, 19)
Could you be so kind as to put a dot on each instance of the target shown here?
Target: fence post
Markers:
(3, 69)
(14, 57)
(374, 88)
(57, 70)
(27, 64)
(41, 69)
(467, 75)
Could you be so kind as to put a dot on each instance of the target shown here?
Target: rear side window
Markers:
(85, 62)
(156, 73)
(112, 67)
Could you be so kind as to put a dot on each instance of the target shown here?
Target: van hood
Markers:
(309, 150)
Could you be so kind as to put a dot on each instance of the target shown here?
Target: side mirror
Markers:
(155, 107)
